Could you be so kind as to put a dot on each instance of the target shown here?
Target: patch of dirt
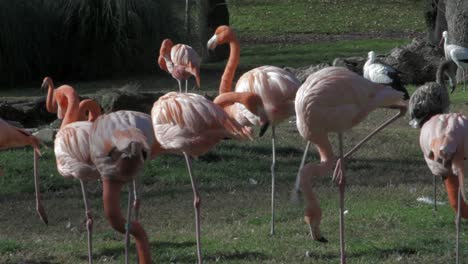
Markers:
(304, 38)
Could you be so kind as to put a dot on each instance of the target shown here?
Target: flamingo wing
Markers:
(276, 87)
(72, 151)
(182, 121)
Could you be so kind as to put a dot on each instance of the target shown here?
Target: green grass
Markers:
(385, 224)
(263, 17)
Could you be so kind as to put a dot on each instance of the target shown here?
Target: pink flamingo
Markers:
(276, 87)
(442, 141)
(192, 125)
(120, 143)
(71, 145)
(180, 61)
(335, 99)
(12, 137)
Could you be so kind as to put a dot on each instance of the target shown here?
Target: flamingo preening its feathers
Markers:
(276, 87)
(335, 99)
(181, 61)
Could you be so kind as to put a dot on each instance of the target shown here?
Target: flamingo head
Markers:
(166, 47)
(222, 35)
(46, 83)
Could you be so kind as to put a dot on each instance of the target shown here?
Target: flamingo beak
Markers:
(44, 85)
(212, 42)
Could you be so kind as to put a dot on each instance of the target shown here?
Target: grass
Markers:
(262, 17)
(384, 223)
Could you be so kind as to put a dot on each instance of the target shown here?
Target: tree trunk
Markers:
(457, 22)
(436, 23)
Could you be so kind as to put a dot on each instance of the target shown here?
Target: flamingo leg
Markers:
(196, 205)
(186, 86)
(127, 227)
(180, 86)
(382, 126)
(89, 222)
(39, 208)
(339, 174)
(136, 201)
(273, 165)
(435, 193)
(297, 185)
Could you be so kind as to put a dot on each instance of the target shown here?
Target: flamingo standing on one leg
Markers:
(180, 61)
(192, 125)
(71, 145)
(457, 53)
(275, 86)
(12, 137)
(335, 99)
(120, 144)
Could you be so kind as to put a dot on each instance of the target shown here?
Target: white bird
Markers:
(457, 54)
(378, 72)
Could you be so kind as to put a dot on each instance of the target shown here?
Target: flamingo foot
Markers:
(42, 214)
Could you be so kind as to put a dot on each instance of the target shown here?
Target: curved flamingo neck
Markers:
(451, 185)
(51, 103)
(91, 107)
(67, 98)
(231, 66)
(111, 199)
(250, 100)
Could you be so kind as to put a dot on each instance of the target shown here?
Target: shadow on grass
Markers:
(161, 247)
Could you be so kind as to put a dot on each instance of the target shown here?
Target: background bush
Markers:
(83, 39)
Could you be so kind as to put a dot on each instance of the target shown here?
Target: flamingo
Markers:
(12, 137)
(442, 140)
(443, 143)
(335, 99)
(457, 54)
(180, 61)
(71, 145)
(276, 87)
(190, 124)
(384, 74)
(120, 143)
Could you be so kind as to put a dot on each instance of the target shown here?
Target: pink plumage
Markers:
(275, 86)
(71, 147)
(335, 99)
(191, 123)
(181, 61)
